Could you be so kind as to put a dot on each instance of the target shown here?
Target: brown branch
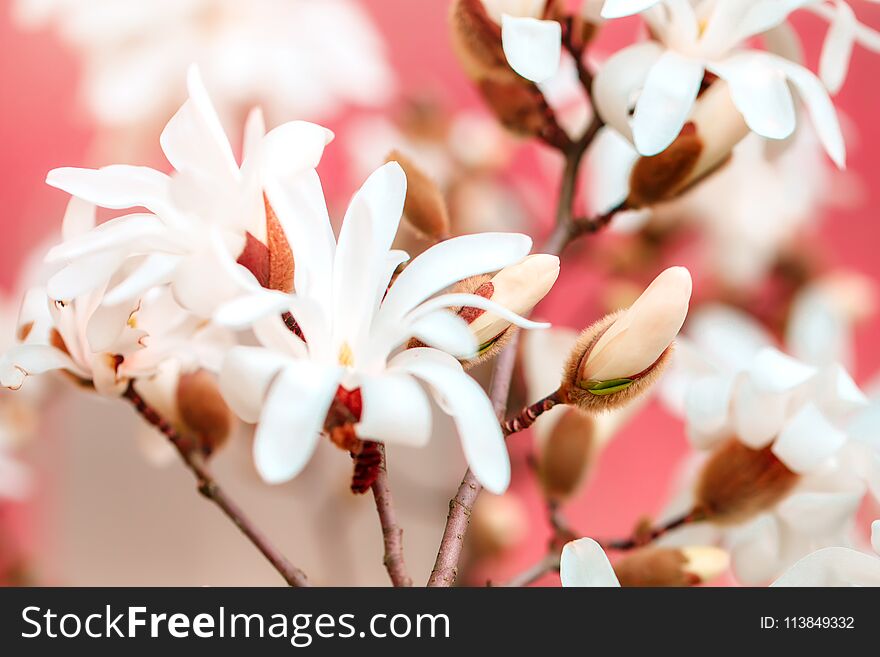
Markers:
(392, 534)
(208, 487)
(527, 416)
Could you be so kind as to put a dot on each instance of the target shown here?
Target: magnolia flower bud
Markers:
(498, 523)
(656, 566)
(621, 355)
(738, 482)
(203, 410)
(424, 208)
(518, 288)
(270, 261)
(705, 143)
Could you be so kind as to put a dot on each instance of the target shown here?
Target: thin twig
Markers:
(392, 534)
(640, 538)
(548, 564)
(527, 416)
(208, 487)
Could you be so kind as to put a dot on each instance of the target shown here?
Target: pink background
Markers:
(43, 126)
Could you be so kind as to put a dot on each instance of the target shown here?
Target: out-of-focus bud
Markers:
(424, 208)
(564, 456)
(518, 288)
(738, 482)
(621, 355)
(687, 566)
(203, 410)
(477, 41)
(268, 256)
(705, 143)
(498, 523)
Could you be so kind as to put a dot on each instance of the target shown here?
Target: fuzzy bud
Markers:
(203, 410)
(738, 482)
(518, 288)
(704, 144)
(657, 566)
(621, 355)
(498, 523)
(424, 208)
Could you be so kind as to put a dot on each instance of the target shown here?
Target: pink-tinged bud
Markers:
(622, 354)
(518, 288)
(738, 482)
(705, 143)
(498, 523)
(424, 208)
(687, 566)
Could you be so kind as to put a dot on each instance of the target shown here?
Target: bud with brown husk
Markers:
(191, 402)
(619, 357)
(704, 144)
(424, 208)
(738, 482)
(657, 566)
(477, 41)
(517, 288)
(268, 256)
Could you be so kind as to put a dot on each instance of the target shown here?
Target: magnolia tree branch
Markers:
(642, 537)
(527, 416)
(548, 564)
(392, 534)
(208, 487)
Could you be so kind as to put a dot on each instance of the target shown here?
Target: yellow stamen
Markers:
(346, 356)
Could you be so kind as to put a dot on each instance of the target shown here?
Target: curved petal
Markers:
(156, 269)
(292, 148)
(272, 332)
(245, 377)
(243, 311)
(619, 80)
(833, 566)
(79, 218)
(774, 372)
(84, 275)
(666, 100)
(584, 564)
(463, 399)
(838, 47)
(128, 231)
(447, 263)
(446, 331)
(254, 131)
(807, 440)
(292, 418)
(533, 47)
(116, 186)
(25, 360)
(760, 93)
(395, 410)
(621, 8)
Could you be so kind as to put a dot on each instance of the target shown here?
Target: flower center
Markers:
(346, 356)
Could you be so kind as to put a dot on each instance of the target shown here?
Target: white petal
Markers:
(84, 275)
(449, 262)
(245, 377)
(79, 218)
(621, 8)
(758, 415)
(833, 566)
(254, 131)
(838, 47)
(293, 148)
(666, 101)
(707, 403)
(272, 332)
(875, 536)
(474, 301)
(206, 278)
(583, 563)
(292, 419)
(471, 410)
(543, 358)
(444, 330)
(618, 81)
(194, 139)
(760, 93)
(774, 371)
(821, 109)
(24, 360)
(127, 231)
(533, 47)
(395, 410)
(156, 269)
(245, 310)
(807, 440)
(820, 513)
(116, 186)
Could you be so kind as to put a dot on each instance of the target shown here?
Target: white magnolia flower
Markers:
(532, 45)
(107, 346)
(345, 328)
(198, 216)
(298, 58)
(837, 566)
(731, 380)
(664, 76)
(844, 32)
